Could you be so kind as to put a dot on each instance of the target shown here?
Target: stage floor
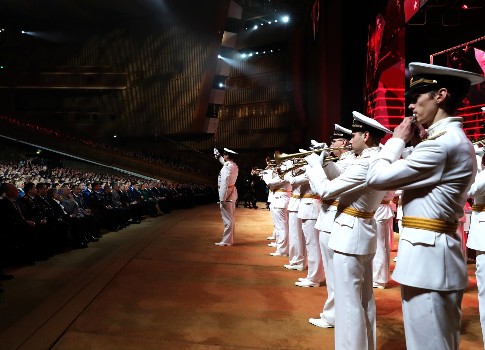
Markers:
(163, 284)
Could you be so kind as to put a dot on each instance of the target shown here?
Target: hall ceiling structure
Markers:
(65, 14)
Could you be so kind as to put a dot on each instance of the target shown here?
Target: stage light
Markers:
(221, 85)
(286, 19)
(23, 32)
(115, 136)
(219, 56)
(255, 27)
(243, 55)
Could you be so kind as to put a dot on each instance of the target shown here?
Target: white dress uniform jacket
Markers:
(227, 196)
(227, 181)
(327, 212)
(353, 235)
(435, 179)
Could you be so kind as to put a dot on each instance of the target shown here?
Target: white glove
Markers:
(301, 150)
(313, 160)
(323, 155)
(216, 153)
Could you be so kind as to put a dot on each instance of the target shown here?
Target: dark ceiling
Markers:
(68, 14)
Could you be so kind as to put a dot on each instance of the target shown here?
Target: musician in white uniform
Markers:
(226, 184)
(476, 236)
(384, 228)
(435, 179)
(281, 190)
(324, 224)
(353, 236)
(308, 213)
(296, 240)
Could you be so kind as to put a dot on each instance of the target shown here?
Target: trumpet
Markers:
(281, 157)
(480, 141)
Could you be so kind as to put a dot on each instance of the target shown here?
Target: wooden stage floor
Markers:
(163, 284)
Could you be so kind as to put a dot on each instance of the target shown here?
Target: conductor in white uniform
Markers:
(226, 184)
(435, 179)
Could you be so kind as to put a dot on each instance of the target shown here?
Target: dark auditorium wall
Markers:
(287, 99)
(164, 60)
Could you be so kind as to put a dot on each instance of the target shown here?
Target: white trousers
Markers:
(227, 213)
(355, 308)
(432, 319)
(382, 260)
(280, 221)
(296, 242)
(328, 313)
(314, 256)
(480, 273)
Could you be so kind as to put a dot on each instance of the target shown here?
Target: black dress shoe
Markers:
(5, 277)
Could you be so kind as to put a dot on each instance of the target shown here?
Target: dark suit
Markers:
(18, 240)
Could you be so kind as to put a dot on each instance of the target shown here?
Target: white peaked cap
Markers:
(316, 143)
(229, 150)
(431, 70)
(341, 129)
(483, 109)
(360, 118)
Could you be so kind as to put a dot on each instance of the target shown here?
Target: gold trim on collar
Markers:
(434, 137)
